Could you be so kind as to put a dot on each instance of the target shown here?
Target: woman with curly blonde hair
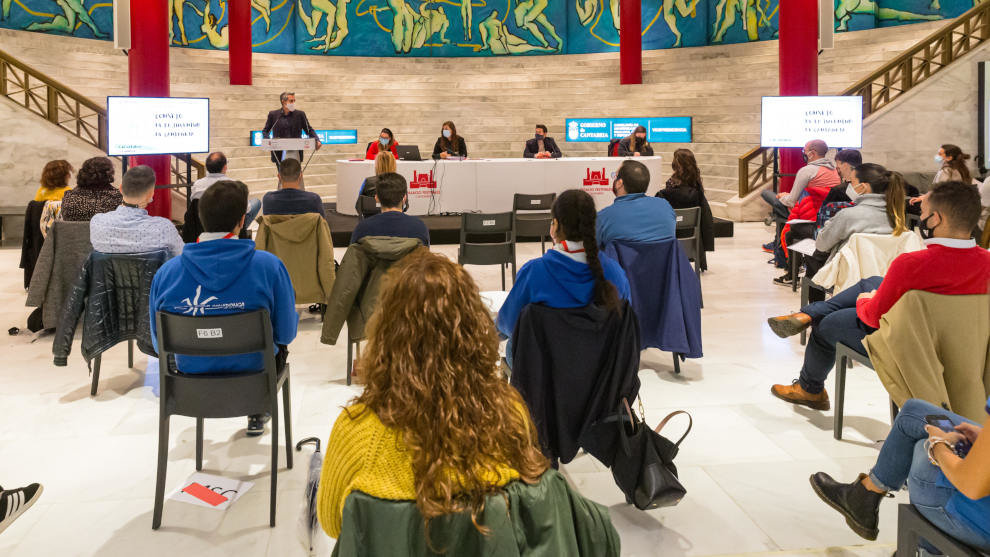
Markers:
(436, 423)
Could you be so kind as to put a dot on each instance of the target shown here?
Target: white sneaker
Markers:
(13, 503)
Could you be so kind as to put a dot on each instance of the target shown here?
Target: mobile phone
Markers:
(940, 421)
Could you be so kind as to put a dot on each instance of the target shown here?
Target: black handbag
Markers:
(643, 467)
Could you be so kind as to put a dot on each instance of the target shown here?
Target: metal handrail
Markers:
(916, 65)
(70, 110)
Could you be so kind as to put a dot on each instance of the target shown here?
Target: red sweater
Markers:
(373, 151)
(938, 269)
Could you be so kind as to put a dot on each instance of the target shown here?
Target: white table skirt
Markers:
(487, 185)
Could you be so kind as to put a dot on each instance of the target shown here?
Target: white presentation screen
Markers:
(793, 121)
(158, 125)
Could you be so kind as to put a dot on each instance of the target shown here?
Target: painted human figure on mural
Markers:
(845, 9)
(66, 21)
(217, 35)
(403, 19)
(175, 12)
(497, 39)
(5, 9)
(669, 16)
(467, 18)
(337, 26)
(529, 15)
(753, 13)
(429, 22)
(586, 10)
(264, 8)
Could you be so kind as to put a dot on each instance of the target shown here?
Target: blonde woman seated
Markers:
(437, 426)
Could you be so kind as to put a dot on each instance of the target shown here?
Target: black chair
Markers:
(911, 527)
(533, 223)
(690, 219)
(912, 221)
(98, 362)
(216, 395)
(843, 354)
(484, 251)
(367, 206)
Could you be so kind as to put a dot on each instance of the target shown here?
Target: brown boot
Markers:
(789, 325)
(795, 394)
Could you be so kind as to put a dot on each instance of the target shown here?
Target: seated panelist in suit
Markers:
(449, 144)
(541, 146)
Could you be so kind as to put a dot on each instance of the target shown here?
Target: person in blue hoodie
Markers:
(633, 216)
(221, 274)
(572, 274)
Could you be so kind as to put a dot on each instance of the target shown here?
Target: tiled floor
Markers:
(745, 464)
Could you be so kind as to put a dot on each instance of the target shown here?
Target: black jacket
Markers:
(287, 125)
(573, 367)
(626, 150)
(682, 197)
(438, 147)
(532, 148)
(113, 289)
(32, 240)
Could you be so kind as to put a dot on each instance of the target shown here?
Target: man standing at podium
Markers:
(290, 123)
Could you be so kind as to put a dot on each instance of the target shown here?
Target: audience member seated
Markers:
(635, 144)
(952, 264)
(216, 170)
(877, 208)
(572, 274)
(392, 221)
(951, 163)
(437, 425)
(129, 228)
(819, 172)
(54, 181)
(633, 216)
(684, 191)
(384, 162)
(386, 143)
(290, 199)
(838, 197)
(221, 275)
(94, 192)
(948, 472)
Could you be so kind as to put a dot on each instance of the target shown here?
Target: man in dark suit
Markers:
(288, 122)
(541, 146)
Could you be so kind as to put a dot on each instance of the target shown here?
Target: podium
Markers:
(291, 147)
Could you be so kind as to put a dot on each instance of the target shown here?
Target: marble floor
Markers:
(745, 465)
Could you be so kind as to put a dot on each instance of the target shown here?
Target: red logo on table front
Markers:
(596, 178)
(421, 180)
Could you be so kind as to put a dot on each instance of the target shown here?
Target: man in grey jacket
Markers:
(819, 172)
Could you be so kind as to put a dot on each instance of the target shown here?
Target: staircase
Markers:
(495, 102)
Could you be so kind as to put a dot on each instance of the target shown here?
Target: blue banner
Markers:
(675, 129)
(327, 137)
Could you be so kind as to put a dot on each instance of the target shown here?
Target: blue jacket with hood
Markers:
(555, 280)
(221, 277)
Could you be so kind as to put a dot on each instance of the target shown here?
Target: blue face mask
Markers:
(383, 141)
(446, 133)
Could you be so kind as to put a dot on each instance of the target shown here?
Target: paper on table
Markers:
(230, 488)
(493, 300)
(804, 247)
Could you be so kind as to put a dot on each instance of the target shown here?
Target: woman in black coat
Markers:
(684, 191)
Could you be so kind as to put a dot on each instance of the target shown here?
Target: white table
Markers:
(487, 185)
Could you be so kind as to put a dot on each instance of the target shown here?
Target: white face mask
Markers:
(939, 160)
(290, 106)
(852, 193)
(446, 133)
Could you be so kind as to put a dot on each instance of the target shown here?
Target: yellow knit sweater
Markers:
(364, 455)
(53, 194)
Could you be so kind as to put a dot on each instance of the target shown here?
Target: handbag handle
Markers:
(664, 421)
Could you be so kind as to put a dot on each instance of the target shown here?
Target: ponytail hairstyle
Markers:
(891, 184)
(686, 171)
(574, 211)
(958, 162)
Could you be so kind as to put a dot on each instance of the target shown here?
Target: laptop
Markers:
(408, 152)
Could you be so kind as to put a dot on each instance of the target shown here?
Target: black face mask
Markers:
(615, 190)
(539, 136)
(926, 231)
(805, 157)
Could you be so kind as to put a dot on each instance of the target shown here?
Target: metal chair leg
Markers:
(840, 396)
(97, 361)
(199, 444)
(503, 276)
(274, 482)
(287, 410)
(130, 354)
(677, 363)
(156, 519)
(795, 269)
(350, 348)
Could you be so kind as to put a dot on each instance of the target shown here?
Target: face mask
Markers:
(804, 156)
(640, 138)
(926, 231)
(939, 160)
(851, 192)
(615, 188)
(539, 136)
(290, 106)
(446, 133)
(383, 141)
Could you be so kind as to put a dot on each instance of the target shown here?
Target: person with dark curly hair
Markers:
(54, 181)
(94, 192)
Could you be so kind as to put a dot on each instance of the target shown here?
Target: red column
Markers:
(239, 53)
(630, 42)
(798, 57)
(147, 63)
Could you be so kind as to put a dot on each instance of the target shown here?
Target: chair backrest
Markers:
(865, 255)
(531, 202)
(688, 219)
(912, 221)
(367, 206)
(613, 148)
(485, 251)
(62, 257)
(215, 395)
(985, 239)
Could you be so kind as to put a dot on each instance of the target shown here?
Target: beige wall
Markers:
(907, 135)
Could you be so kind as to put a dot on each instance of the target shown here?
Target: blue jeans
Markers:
(833, 321)
(780, 211)
(903, 457)
(253, 208)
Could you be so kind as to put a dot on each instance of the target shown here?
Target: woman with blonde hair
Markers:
(384, 163)
(436, 423)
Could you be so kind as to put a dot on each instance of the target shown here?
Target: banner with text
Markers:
(327, 137)
(673, 129)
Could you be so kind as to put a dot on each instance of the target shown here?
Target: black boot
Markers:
(860, 506)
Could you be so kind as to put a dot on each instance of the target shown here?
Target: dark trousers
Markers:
(833, 321)
(780, 211)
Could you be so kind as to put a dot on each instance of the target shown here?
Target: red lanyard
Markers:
(231, 235)
(568, 250)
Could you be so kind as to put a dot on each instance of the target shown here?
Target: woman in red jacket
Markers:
(385, 141)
